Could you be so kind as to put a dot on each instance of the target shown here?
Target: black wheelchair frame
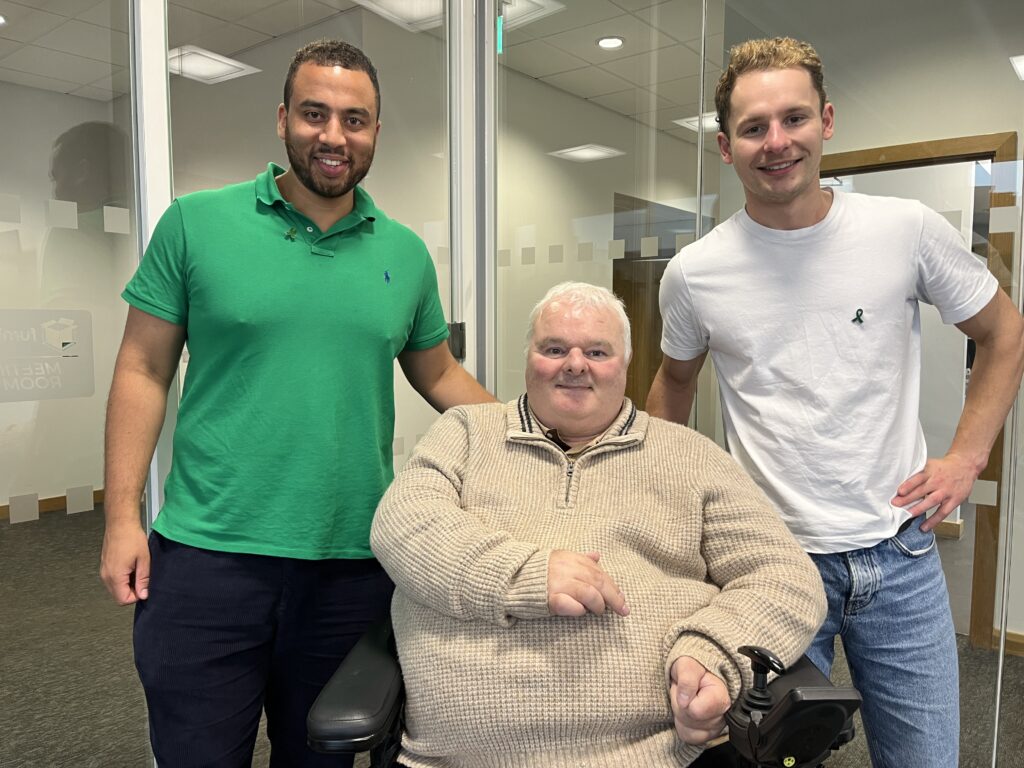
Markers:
(796, 721)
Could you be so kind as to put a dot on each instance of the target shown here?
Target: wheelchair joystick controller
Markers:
(762, 661)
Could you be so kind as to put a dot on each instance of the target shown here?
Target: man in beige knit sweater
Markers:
(573, 576)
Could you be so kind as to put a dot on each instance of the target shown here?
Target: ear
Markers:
(724, 147)
(282, 121)
(828, 121)
(376, 133)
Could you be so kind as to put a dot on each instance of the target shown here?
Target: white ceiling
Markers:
(80, 47)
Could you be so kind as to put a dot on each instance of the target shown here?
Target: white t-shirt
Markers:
(816, 338)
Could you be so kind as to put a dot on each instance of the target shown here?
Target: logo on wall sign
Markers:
(60, 334)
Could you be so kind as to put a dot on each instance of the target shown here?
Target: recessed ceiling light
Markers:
(586, 153)
(1018, 65)
(205, 66)
(611, 43)
(2, 21)
(708, 121)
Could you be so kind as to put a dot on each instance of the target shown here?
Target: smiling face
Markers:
(576, 370)
(777, 125)
(329, 129)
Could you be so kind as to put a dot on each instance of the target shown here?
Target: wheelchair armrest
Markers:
(359, 707)
(808, 718)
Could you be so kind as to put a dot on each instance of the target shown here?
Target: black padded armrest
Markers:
(359, 706)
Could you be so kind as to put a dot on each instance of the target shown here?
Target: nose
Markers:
(776, 139)
(333, 134)
(575, 362)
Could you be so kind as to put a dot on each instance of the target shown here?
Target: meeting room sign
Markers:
(45, 354)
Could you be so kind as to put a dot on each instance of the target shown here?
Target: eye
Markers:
(753, 130)
(314, 115)
(355, 122)
(796, 119)
(597, 353)
(553, 351)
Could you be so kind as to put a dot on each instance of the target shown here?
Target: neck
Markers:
(325, 212)
(805, 211)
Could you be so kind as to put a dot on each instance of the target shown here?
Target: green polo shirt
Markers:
(284, 433)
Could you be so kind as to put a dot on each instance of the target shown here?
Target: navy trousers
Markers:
(224, 636)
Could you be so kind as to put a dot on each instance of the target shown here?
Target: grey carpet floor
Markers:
(69, 696)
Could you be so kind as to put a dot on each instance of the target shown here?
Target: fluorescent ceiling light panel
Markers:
(1018, 65)
(586, 153)
(708, 120)
(205, 66)
(419, 15)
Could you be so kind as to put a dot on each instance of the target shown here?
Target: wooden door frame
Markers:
(997, 148)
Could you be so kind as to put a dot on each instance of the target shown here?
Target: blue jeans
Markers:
(890, 605)
(224, 636)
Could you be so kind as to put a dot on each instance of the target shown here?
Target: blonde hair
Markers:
(765, 54)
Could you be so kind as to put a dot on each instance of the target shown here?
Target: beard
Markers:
(302, 166)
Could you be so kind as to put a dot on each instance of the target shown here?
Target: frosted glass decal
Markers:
(616, 249)
(80, 499)
(62, 214)
(116, 220)
(504, 257)
(556, 254)
(24, 508)
(528, 256)
(45, 354)
(586, 252)
(648, 247)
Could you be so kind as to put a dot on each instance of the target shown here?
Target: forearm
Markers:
(671, 398)
(456, 387)
(135, 416)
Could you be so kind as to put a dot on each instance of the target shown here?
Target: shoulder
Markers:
(882, 208)
(226, 195)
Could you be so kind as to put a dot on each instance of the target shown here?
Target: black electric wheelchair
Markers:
(795, 721)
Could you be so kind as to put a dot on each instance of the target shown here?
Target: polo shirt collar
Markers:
(268, 194)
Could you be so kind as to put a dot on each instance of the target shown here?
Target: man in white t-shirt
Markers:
(808, 300)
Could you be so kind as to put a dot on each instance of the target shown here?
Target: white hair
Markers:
(583, 295)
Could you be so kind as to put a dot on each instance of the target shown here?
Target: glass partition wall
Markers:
(68, 242)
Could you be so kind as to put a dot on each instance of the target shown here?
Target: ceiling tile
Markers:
(25, 24)
(685, 89)
(184, 25)
(635, 5)
(119, 82)
(88, 40)
(657, 66)
(678, 18)
(577, 13)
(36, 81)
(92, 92)
(286, 16)
(588, 82)
(662, 118)
(8, 46)
(66, 8)
(57, 65)
(537, 59)
(339, 5)
(229, 39)
(639, 37)
(632, 101)
(227, 10)
(108, 13)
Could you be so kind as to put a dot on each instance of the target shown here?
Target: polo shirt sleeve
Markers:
(159, 287)
(683, 336)
(949, 276)
(429, 326)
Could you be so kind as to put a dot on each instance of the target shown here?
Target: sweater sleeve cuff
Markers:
(527, 596)
(711, 656)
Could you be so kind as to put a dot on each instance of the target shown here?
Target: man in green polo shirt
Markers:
(295, 294)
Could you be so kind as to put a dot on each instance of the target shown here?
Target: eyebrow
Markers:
(558, 342)
(326, 108)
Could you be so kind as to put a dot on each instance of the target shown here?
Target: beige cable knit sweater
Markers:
(492, 678)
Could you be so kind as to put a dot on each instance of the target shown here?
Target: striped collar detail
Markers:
(631, 422)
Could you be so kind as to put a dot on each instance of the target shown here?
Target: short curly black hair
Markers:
(331, 53)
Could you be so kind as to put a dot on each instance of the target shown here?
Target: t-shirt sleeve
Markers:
(159, 285)
(949, 276)
(429, 326)
(683, 336)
